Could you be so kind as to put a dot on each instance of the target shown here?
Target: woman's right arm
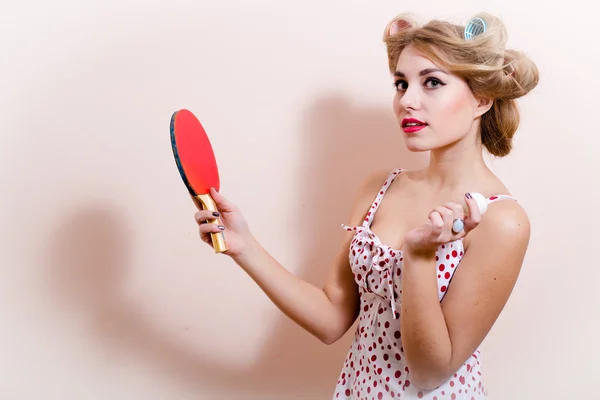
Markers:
(328, 312)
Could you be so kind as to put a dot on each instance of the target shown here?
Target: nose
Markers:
(410, 99)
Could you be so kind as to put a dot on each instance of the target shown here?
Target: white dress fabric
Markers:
(375, 366)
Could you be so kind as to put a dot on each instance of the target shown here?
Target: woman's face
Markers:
(435, 109)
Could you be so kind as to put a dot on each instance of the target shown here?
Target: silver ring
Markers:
(458, 226)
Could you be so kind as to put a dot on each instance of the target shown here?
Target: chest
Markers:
(398, 215)
(377, 267)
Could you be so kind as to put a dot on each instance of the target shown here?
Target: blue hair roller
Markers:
(474, 27)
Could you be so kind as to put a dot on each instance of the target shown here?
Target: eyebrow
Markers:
(422, 73)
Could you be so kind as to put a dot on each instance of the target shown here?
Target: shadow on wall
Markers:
(91, 256)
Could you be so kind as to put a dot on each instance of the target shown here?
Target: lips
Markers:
(411, 125)
(410, 122)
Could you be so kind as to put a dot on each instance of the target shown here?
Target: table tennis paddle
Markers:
(197, 165)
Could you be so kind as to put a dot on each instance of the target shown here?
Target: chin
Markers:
(417, 145)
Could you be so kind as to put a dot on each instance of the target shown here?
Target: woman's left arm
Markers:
(438, 337)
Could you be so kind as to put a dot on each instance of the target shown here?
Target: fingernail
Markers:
(216, 214)
(468, 195)
(221, 227)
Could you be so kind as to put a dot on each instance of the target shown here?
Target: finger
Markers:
(458, 212)
(437, 223)
(474, 213)
(447, 216)
(211, 228)
(206, 238)
(206, 215)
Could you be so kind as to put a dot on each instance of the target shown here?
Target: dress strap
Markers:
(375, 204)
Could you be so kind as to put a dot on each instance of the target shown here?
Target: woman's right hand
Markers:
(234, 226)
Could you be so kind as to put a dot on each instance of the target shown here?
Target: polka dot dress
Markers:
(375, 367)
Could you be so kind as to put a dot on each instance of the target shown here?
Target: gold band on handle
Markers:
(218, 239)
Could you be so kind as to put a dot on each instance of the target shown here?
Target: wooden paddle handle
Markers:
(218, 239)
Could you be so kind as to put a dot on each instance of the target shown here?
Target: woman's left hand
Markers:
(425, 239)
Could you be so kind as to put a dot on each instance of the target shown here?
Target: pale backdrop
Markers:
(106, 291)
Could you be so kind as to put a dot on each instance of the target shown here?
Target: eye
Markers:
(433, 83)
(400, 85)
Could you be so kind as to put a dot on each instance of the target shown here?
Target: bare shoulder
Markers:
(505, 224)
(496, 248)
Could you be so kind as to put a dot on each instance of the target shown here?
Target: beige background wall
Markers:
(106, 291)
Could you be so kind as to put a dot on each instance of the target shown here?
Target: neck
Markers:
(456, 167)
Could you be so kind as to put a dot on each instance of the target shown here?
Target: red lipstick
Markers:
(411, 125)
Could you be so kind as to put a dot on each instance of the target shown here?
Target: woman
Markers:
(424, 272)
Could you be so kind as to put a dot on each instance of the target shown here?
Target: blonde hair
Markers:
(490, 70)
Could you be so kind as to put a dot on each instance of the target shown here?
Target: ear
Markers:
(483, 105)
